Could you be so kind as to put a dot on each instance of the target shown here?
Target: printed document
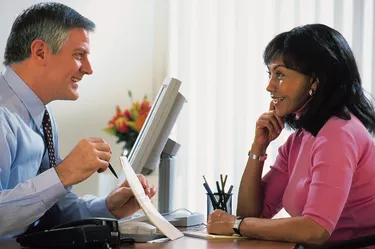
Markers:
(148, 208)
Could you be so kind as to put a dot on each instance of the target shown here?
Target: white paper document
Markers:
(148, 208)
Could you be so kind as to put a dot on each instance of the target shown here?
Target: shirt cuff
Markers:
(98, 208)
(49, 185)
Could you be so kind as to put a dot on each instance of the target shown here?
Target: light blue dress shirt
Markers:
(28, 186)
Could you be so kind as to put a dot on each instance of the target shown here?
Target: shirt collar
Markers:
(29, 99)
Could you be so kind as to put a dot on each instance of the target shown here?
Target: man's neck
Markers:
(31, 76)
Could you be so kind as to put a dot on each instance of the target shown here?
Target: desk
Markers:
(188, 242)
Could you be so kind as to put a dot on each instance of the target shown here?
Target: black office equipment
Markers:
(86, 233)
(141, 238)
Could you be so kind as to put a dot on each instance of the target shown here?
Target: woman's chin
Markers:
(280, 113)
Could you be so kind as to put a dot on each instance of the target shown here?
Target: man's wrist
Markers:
(61, 174)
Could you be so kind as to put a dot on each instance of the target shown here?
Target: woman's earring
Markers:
(312, 92)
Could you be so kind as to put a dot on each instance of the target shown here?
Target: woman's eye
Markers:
(269, 74)
(279, 75)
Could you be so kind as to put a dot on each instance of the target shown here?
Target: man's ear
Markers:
(39, 51)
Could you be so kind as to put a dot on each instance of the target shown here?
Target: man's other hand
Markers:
(121, 202)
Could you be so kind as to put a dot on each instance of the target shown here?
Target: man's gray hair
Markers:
(50, 22)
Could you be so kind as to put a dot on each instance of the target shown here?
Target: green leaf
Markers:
(110, 130)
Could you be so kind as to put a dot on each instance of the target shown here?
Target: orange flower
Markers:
(121, 124)
(139, 122)
(117, 115)
(136, 106)
(145, 107)
(127, 114)
(127, 124)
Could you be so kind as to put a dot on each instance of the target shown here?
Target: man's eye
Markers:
(79, 56)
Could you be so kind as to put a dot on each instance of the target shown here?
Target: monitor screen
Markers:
(145, 154)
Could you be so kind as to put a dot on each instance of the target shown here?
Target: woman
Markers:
(324, 175)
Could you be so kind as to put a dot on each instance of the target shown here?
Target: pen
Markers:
(221, 194)
(112, 170)
(227, 195)
(212, 197)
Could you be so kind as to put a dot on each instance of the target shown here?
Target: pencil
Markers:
(204, 178)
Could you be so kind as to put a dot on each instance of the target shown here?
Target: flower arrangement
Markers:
(127, 124)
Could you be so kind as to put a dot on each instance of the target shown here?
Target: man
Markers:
(46, 57)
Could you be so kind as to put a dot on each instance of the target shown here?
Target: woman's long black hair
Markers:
(323, 53)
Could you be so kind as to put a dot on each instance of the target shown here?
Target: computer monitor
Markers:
(145, 154)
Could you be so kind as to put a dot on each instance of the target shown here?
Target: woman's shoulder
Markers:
(337, 127)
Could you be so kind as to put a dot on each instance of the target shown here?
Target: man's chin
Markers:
(72, 96)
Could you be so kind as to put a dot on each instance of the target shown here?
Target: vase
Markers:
(126, 151)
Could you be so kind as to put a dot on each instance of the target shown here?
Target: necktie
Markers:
(48, 137)
(52, 216)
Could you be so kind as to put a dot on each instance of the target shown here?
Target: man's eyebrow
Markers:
(81, 50)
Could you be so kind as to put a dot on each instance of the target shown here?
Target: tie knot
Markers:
(46, 118)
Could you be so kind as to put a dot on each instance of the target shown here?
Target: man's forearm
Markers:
(27, 202)
(74, 207)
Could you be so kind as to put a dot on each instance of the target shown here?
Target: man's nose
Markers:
(86, 67)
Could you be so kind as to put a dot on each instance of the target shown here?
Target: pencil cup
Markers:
(220, 203)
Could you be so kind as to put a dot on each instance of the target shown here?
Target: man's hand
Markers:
(121, 202)
(89, 156)
(220, 222)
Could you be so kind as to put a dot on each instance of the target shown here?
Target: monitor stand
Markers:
(166, 176)
(181, 217)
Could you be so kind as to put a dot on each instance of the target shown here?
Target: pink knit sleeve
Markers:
(333, 161)
(275, 181)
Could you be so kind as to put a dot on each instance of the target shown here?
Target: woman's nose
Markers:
(272, 85)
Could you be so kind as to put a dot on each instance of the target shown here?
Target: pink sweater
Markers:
(329, 178)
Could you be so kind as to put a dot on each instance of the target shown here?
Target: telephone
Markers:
(85, 233)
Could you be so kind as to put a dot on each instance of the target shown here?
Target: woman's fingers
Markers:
(270, 121)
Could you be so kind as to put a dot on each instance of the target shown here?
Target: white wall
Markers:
(123, 57)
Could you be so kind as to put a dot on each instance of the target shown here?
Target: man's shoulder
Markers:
(6, 94)
(10, 104)
(7, 116)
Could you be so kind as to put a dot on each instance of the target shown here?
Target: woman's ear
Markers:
(314, 82)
